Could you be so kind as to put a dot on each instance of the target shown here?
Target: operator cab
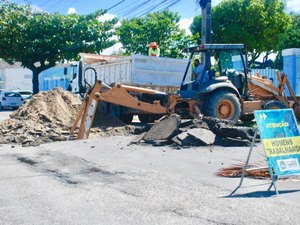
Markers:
(224, 64)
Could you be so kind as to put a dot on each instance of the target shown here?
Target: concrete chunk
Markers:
(204, 135)
(163, 129)
(184, 139)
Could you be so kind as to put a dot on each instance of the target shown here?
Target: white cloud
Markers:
(113, 49)
(185, 24)
(215, 2)
(106, 16)
(293, 5)
(36, 8)
(72, 11)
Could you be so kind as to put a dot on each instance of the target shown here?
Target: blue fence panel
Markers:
(269, 73)
(52, 78)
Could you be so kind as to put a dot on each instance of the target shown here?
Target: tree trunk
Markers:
(35, 82)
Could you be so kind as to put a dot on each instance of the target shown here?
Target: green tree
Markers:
(195, 27)
(256, 23)
(291, 37)
(39, 40)
(137, 33)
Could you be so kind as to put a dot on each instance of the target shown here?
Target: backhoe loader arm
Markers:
(118, 94)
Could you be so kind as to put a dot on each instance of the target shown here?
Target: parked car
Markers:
(25, 94)
(10, 99)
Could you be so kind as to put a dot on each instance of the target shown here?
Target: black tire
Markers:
(274, 105)
(247, 118)
(223, 105)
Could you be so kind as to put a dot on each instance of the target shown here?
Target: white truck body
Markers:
(157, 73)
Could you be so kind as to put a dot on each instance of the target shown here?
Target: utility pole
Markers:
(206, 21)
(205, 30)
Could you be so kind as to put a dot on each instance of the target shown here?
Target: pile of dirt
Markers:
(48, 117)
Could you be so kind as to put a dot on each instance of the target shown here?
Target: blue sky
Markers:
(127, 8)
(187, 9)
(130, 8)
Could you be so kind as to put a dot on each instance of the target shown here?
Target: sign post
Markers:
(279, 133)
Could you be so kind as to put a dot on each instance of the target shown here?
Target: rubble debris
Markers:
(195, 137)
(204, 135)
(199, 132)
(138, 138)
(225, 128)
(163, 129)
(232, 142)
(185, 140)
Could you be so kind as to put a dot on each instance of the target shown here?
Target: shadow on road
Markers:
(261, 194)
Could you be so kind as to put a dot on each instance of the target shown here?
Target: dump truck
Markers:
(230, 93)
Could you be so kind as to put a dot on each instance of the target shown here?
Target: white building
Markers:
(15, 76)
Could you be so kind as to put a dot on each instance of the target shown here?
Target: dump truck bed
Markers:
(157, 73)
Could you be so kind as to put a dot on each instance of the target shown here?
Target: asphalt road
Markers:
(109, 181)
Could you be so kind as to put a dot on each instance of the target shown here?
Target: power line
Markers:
(153, 7)
(45, 3)
(132, 9)
(68, 5)
(170, 5)
(115, 5)
(55, 3)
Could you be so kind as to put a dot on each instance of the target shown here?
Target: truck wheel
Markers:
(247, 118)
(223, 105)
(274, 105)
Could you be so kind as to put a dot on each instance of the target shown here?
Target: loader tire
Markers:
(274, 105)
(223, 105)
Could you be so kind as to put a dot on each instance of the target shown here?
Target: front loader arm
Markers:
(118, 94)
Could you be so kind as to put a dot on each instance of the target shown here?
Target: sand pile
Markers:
(48, 117)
